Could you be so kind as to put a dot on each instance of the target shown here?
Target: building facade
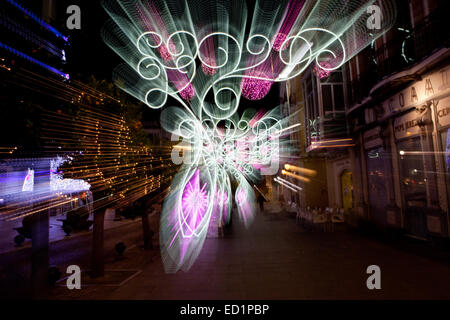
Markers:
(397, 109)
(376, 131)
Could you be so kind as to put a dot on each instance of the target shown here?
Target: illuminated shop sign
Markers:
(430, 87)
(447, 151)
(443, 111)
(406, 126)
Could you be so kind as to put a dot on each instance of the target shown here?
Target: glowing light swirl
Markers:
(162, 44)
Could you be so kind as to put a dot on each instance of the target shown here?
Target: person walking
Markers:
(261, 202)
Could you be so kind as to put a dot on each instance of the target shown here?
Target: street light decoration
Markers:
(164, 44)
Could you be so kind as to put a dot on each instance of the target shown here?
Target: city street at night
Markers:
(277, 259)
(224, 158)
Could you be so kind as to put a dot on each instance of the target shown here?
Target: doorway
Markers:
(347, 190)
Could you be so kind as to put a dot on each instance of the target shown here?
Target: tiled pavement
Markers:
(275, 259)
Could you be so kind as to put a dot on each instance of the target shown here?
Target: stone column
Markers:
(426, 126)
(363, 198)
(440, 166)
(391, 172)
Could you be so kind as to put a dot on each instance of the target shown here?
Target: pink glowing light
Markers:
(207, 53)
(292, 12)
(180, 81)
(278, 41)
(154, 22)
(209, 71)
(240, 196)
(255, 89)
(244, 206)
(258, 116)
(224, 205)
(321, 73)
(164, 52)
(188, 93)
(194, 202)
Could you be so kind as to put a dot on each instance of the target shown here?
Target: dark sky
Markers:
(88, 53)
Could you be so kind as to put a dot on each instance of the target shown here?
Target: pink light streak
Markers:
(194, 202)
(255, 89)
(292, 12)
(321, 73)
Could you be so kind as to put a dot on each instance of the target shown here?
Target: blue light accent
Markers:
(14, 26)
(38, 20)
(27, 57)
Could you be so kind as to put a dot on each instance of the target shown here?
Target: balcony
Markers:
(412, 46)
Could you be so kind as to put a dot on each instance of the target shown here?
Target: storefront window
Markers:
(446, 148)
(376, 175)
(412, 177)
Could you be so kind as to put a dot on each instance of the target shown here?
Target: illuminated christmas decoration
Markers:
(218, 145)
(188, 93)
(255, 89)
(194, 204)
(321, 73)
(58, 183)
(164, 52)
(279, 40)
(290, 17)
(209, 70)
(28, 182)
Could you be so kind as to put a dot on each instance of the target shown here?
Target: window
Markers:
(312, 109)
(412, 177)
(338, 92)
(445, 136)
(327, 98)
(332, 89)
(376, 177)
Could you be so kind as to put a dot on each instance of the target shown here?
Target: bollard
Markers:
(98, 263)
(40, 255)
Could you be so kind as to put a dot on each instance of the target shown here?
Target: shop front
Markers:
(347, 191)
(419, 174)
(378, 174)
(442, 108)
(416, 122)
(412, 173)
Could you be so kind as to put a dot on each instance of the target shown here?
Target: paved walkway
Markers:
(56, 232)
(275, 259)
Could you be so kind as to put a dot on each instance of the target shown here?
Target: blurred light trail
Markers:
(290, 183)
(260, 192)
(293, 175)
(285, 185)
(404, 153)
(288, 128)
(308, 172)
(38, 20)
(162, 51)
(182, 147)
(35, 61)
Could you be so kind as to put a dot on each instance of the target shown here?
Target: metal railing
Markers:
(412, 46)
